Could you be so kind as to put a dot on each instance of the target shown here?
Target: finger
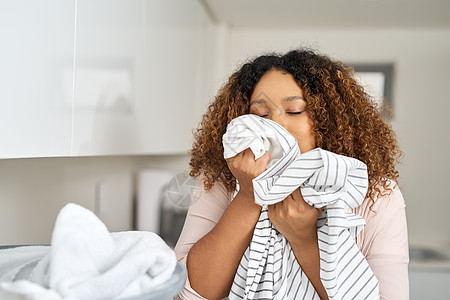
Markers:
(230, 159)
(282, 205)
(248, 153)
(271, 210)
(265, 158)
(290, 199)
(300, 201)
(240, 154)
(298, 196)
(294, 196)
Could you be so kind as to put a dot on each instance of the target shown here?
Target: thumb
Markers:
(267, 156)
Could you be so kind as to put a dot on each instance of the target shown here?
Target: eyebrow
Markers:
(285, 99)
(292, 98)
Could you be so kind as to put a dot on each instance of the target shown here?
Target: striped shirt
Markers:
(383, 241)
(268, 268)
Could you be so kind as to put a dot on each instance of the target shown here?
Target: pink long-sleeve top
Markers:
(383, 241)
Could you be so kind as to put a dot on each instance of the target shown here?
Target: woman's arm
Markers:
(296, 220)
(384, 243)
(205, 211)
(213, 260)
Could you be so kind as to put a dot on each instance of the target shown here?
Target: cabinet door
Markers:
(138, 69)
(173, 69)
(36, 78)
(100, 77)
(109, 57)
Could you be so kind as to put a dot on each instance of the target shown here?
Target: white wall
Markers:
(32, 191)
(50, 108)
(421, 105)
(102, 77)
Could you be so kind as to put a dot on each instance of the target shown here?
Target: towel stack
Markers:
(85, 261)
(268, 268)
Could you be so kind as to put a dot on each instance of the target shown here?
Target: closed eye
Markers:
(289, 113)
(262, 116)
(294, 113)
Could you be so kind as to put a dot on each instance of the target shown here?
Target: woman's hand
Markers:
(213, 261)
(244, 167)
(294, 218)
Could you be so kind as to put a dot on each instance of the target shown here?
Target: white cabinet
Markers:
(172, 70)
(101, 77)
(36, 48)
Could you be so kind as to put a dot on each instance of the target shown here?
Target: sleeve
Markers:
(384, 243)
(207, 207)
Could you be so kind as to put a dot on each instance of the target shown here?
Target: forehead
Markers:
(276, 84)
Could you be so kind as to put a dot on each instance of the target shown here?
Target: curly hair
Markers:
(346, 119)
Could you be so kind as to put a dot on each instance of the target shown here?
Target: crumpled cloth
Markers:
(268, 268)
(85, 261)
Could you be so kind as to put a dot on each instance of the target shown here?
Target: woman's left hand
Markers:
(294, 218)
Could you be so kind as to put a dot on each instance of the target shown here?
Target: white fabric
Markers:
(268, 269)
(249, 131)
(85, 261)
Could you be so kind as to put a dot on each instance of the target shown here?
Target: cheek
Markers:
(305, 136)
(306, 141)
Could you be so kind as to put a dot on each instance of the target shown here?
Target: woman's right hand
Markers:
(214, 259)
(244, 167)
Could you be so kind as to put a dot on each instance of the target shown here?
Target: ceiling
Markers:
(330, 13)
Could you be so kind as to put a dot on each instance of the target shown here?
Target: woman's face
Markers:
(278, 97)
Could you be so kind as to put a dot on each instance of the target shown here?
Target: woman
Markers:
(318, 101)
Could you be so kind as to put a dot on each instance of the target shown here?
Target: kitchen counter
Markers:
(429, 274)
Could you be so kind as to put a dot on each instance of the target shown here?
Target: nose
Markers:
(278, 118)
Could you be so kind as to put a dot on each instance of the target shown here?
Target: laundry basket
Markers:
(165, 291)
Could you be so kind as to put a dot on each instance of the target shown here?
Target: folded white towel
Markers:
(85, 261)
(268, 269)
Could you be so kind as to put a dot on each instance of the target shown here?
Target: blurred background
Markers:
(99, 99)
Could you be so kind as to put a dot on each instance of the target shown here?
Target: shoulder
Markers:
(385, 232)
(217, 194)
(205, 210)
(384, 241)
(386, 203)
